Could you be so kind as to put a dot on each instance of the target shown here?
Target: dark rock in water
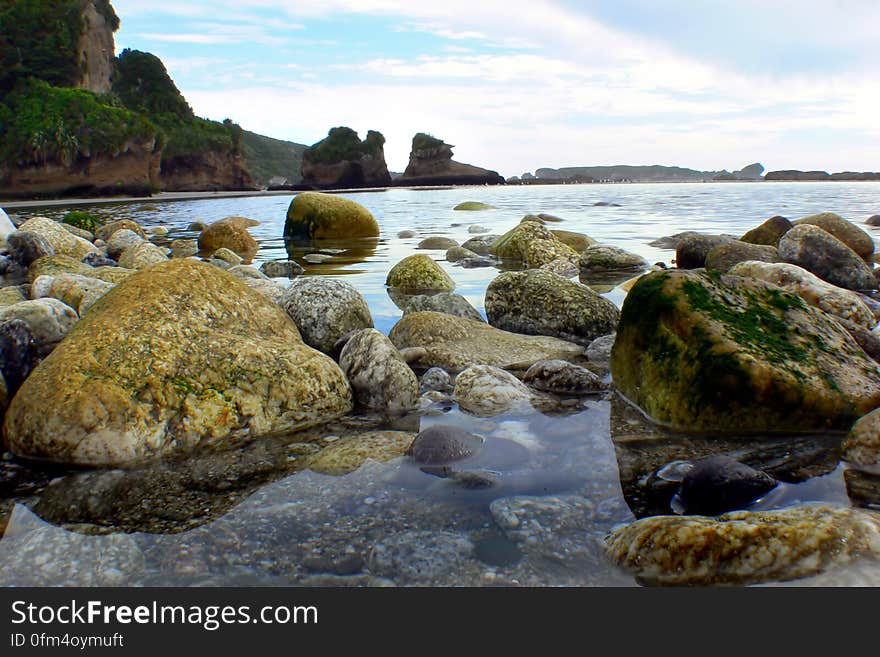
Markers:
(719, 483)
(481, 244)
(436, 379)
(672, 241)
(406, 233)
(443, 443)
(197, 226)
(863, 489)
(549, 217)
(691, 253)
(98, 260)
(437, 243)
(25, 247)
(606, 204)
(18, 354)
(769, 232)
(473, 263)
(725, 256)
(563, 378)
(873, 220)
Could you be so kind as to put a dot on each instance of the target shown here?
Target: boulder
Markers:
(743, 547)
(481, 245)
(456, 343)
(531, 244)
(456, 253)
(78, 292)
(120, 241)
(379, 377)
(27, 247)
(49, 320)
(181, 355)
(769, 232)
(229, 234)
(725, 256)
(325, 309)
(473, 206)
(692, 251)
(142, 255)
(314, 215)
(443, 443)
(563, 378)
(578, 241)
(539, 302)
(106, 231)
(836, 301)
(724, 353)
(718, 483)
(602, 258)
(350, 452)
(437, 243)
(62, 241)
(485, 390)
(419, 272)
(59, 264)
(846, 231)
(862, 444)
(445, 302)
(823, 254)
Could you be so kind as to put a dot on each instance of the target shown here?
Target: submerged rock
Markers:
(539, 302)
(725, 353)
(827, 257)
(379, 376)
(443, 443)
(719, 483)
(485, 390)
(481, 245)
(846, 231)
(472, 206)
(455, 343)
(180, 355)
(743, 547)
(419, 272)
(437, 243)
(325, 309)
(348, 453)
(315, 215)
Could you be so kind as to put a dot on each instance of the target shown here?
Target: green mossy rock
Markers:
(532, 244)
(314, 215)
(419, 272)
(472, 206)
(722, 353)
(176, 356)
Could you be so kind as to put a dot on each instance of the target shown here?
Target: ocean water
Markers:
(250, 515)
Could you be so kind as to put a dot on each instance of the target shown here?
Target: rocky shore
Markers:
(189, 383)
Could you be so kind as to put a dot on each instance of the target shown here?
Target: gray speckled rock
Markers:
(862, 444)
(724, 256)
(563, 378)
(443, 443)
(445, 302)
(602, 258)
(27, 247)
(846, 231)
(120, 240)
(324, 310)
(281, 269)
(49, 320)
(436, 379)
(380, 378)
(141, 255)
(537, 302)
(78, 292)
(429, 558)
(827, 257)
(561, 267)
(486, 391)
(743, 547)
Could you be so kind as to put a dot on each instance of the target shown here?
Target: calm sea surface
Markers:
(251, 516)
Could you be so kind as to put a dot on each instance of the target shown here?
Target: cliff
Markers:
(97, 48)
(272, 162)
(341, 159)
(431, 163)
(812, 176)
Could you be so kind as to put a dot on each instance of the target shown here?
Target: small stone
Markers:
(404, 234)
(599, 350)
(121, 240)
(475, 230)
(563, 378)
(443, 443)
(456, 253)
(317, 258)
(436, 379)
(197, 226)
(281, 269)
(99, 260)
(228, 256)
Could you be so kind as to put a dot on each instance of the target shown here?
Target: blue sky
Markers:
(520, 85)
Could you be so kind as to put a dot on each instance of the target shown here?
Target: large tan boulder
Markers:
(63, 241)
(175, 356)
(314, 216)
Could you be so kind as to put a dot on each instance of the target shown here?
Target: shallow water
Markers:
(251, 515)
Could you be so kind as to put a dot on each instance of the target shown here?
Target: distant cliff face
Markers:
(206, 171)
(431, 163)
(97, 46)
(343, 160)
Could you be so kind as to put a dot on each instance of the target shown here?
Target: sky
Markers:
(518, 85)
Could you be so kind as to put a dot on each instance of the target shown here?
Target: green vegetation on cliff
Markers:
(266, 158)
(423, 142)
(343, 143)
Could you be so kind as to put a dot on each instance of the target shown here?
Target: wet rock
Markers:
(179, 355)
(475, 230)
(456, 253)
(184, 248)
(743, 547)
(692, 251)
(99, 260)
(869, 341)
(605, 204)
(725, 256)
(836, 301)
(348, 453)
(862, 444)
(443, 443)
(78, 292)
(18, 356)
(827, 257)
(379, 376)
(473, 263)
(538, 302)
(602, 258)
(142, 255)
(486, 391)
(445, 302)
(563, 378)
(419, 272)
(599, 350)
(49, 320)
(404, 234)
(79, 232)
(769, 232)
(317, 258)
(481, 245)
(62, 241)
(428, 558)
(846, 231)
(281, 269)
(436, 379)
(578, 241)
(727, 353)
(314, 215)
(863, 489)
(673, 241)
(437, 243)
(873, 220)
(229, 234)
(11, 294)
(324, 310)
(531, 244)
(58, 264)
(467, 479)
(455, 343)
(229, 257)
(561, 267)
(106, 231)
(26, 247)
(197, 226)
(472, 206)
(121, 240)
(718, 484)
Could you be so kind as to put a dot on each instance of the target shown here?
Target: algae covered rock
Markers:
(378, 375)
(315, 215)
(179, 355)
(473, 206)
(62, 241)
(78, 292)
(229, 234)
(724, 353)
(455, 343)
(769, 232)
(437, 243)
(602, 258)
(539, 302)
(846, 231)
(419, 272)
(578, 241)
(530, 243)
(821, 253)
(743, 547)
